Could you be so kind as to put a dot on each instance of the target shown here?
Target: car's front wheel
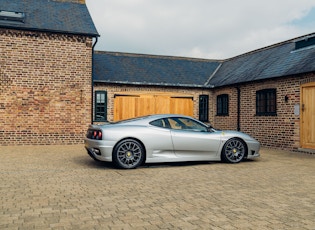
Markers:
(128, 154)
(233, 151)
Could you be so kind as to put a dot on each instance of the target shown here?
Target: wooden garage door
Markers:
(129, 106)
(308, 116)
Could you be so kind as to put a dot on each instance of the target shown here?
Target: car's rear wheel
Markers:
(128, 154)
(233, 151)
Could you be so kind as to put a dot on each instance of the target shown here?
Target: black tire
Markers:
(234, 151)
(128, 154)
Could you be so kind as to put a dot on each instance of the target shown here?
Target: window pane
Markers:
(100, 106)
(266, 102)
(186, 124)
(203, 107)
(100, 98)
(261, 102)
(270, 102)
(223, 105)
(219, 105)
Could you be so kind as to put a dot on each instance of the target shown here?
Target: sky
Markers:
(210, 29)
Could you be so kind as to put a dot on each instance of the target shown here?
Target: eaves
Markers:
(12, 27)
(154, 84)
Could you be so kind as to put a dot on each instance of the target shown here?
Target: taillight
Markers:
(97, 134)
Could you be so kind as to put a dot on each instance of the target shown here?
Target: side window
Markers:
(203, 108)
(100, 113)
(159, 123)
(266, 102)
(181, 123)
(223, 105)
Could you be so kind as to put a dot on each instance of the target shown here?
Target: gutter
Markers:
(92, 80)
(152, 84)
(238, 108)
(31, 29)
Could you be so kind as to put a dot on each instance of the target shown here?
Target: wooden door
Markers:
(129, 106)
(182, 105)
(144, 105)
(162, 104)
(124, 107)
(308, 116)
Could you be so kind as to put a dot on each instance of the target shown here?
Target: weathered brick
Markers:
(281, 131)
(45, 88)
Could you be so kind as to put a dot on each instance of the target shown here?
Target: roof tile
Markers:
(52, 16)
(152, 70)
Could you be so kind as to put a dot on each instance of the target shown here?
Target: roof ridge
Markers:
(271, 46)
(156, 56)
(205, 59)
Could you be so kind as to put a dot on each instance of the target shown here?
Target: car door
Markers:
(159, 142)
(192, 140)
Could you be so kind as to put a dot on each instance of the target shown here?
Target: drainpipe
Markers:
(238, 108)
(92, 82)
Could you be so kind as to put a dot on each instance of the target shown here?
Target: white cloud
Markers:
(199, 28)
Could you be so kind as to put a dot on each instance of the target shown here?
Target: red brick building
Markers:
(46, 71)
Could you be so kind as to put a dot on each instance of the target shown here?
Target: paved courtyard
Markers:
(61, 187)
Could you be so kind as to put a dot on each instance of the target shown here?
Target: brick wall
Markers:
(281, 131)
(113, 89)
(224, 122)
(45, 88)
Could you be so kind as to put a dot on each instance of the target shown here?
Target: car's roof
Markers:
(157, 116)
(149, 118)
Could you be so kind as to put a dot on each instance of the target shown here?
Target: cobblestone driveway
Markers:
(60, 187)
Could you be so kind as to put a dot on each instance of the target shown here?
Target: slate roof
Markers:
(50, 16)
(278, 60)
(140, 69)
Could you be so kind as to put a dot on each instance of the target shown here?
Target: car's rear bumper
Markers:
(99, 150)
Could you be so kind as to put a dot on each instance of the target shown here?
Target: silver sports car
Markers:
(166, 138)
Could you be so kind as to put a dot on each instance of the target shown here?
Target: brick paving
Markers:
(60, 187)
